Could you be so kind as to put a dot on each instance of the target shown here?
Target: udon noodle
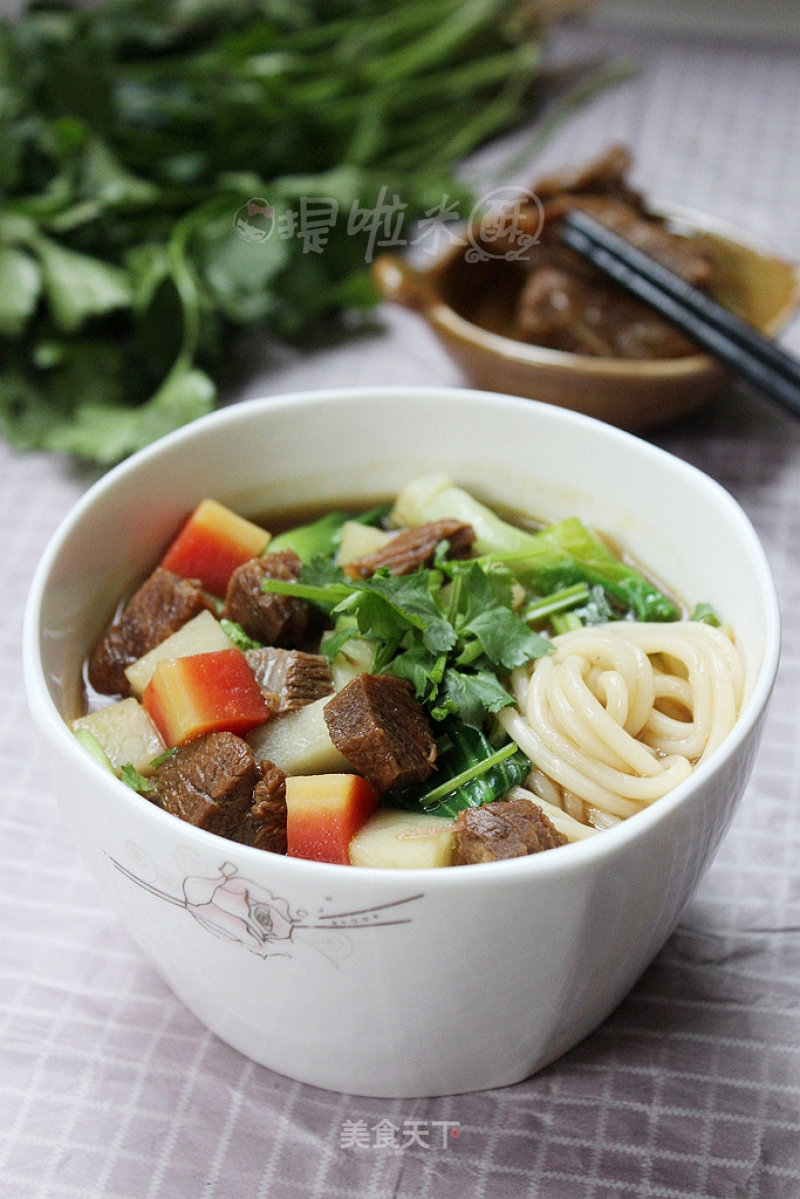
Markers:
(620, 713)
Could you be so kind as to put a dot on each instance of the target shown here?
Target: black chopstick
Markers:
(728, 338)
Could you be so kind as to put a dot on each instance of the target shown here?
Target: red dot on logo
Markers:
(455, 1132)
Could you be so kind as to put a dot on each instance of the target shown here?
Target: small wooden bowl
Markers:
(467, 304)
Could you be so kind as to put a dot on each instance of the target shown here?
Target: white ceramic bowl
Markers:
(397, 983)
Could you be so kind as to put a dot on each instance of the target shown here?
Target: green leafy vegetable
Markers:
(566, 552)
(173, 173)
(134, 779)
(319, 538)
(471, 771)
(236, 634)
(322, 537)
(558, 556)
(449, 630)
(706, 614)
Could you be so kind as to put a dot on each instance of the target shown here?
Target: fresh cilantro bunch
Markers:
(133, 132)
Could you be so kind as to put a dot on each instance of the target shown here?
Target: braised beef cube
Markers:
(272, 619)
(687, 256)
(643, 334)
(161, 606)
(606, 174)
(209, 782)
(563, 307)
(560, 310)
(376, 722)
(413, 548)
(568, 305)
(289, 678)
(264, 825)
(509, 828)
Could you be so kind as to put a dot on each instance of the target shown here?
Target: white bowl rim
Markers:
(570, 858)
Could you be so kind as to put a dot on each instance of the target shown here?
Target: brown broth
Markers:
(291, 517)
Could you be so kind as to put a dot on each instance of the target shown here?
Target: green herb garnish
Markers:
(471, 773)
(450, 630)
(237, 636)
(132, 778)
(162, 167)
(706, 614)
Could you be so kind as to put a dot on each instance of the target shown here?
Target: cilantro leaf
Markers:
(98, 428)
(505, 638)
(20, 285)
(451, 631)
(479, 586)
(79, 286)
(394, 604)
(132, 778)
(423, 670)
(472, 694)
(320, 570)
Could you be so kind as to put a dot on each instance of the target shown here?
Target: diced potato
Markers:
(403, 841)
(125, 732)
(355, 657)
(359, 540)
(201, 635)
(299, 742)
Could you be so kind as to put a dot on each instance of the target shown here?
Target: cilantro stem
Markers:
(559, 601)
(330, 595)
(184, 277)
(566, 622)
(339, 596)
(470, 653)
(466, 776)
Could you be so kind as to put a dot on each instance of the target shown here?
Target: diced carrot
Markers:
(323, 814)
(212, 543)
(204, 693)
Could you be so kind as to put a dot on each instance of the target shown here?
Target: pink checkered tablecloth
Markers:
(110, 1089)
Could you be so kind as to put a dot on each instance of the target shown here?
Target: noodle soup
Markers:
(379, 981)
(417, 683)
